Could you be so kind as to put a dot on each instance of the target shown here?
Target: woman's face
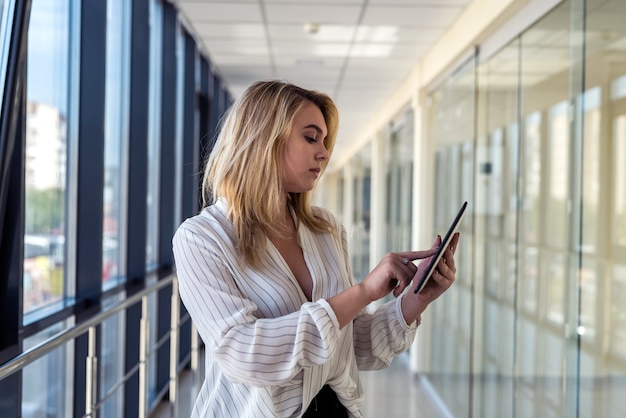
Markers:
(304, 150)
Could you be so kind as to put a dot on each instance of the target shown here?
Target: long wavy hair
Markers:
(245, 166)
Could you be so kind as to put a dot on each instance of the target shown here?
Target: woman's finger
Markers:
(407, 265)
(454, 243)
(446, 268)
(402, 284)
(417, 255)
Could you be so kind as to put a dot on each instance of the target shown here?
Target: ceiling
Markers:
(357, 51)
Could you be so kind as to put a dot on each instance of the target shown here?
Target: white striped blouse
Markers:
(268, 350)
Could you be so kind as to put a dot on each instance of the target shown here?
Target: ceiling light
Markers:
(311, 28)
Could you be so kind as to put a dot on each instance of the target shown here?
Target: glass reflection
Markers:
(361, 217)
(180, 120)
(560, 295)
(531, 177)
(399, 184)
(602, 271)
(592, 170)
(47, 383)
(497, 179)
(46, 154)
(547, 179)
(116, 138)
(112, 360)
(451, 129)
(5, 28)
(154, 135)
(557, 176)
(619, 181)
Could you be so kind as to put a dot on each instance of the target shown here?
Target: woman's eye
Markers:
(310, 140)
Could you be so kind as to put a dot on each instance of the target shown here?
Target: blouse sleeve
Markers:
(381, 335)
(251, 350)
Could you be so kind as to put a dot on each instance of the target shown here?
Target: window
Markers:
(399, 178)
(48, 382)
(112, 359)
(154, 134)
(361, 216)
(46, 154)
(558, 177)
(116, 140)
(531, 178)
(6, 13)
(180, 120)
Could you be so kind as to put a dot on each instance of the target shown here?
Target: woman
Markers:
(266, 277)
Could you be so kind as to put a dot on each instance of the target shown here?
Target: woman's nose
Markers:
(323, 154)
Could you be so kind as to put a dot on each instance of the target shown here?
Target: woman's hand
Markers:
(414, 304)
(394, 272)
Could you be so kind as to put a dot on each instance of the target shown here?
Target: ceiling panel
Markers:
(233, 60)
(315, 2)
(214, 30)
(308, 63)
(293, 13)
(326, 33)
(221, 12)
(321, 74)
(357, 51)
(426, 17)
(317, 49)
(431, 3)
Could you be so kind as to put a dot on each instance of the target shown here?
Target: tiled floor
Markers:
(390, 393)
(397, 393)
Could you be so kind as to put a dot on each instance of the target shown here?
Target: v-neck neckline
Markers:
(285, 266)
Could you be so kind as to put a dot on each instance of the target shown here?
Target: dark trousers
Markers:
(326, 405)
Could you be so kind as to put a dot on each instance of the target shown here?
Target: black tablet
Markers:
(432, 266)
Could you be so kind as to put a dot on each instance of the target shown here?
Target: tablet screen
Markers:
(432, 266)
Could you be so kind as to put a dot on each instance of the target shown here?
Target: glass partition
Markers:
(546, 180)
(46, 155)
(361, 214)
(47, 383)
(154, 133)
(451, 128)
(112, 359)
(546, 289)
(497, 184)
(602, 267)
(399, 184)
(6, 24)
(117, 101)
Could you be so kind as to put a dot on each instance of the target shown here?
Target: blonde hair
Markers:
(245, 165)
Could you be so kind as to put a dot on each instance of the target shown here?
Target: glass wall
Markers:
(451, 124)
(47, 383)
(546, 181)
(533, 326)
(46, 154)
(116, 140)
(180, 120)
(89, 131)
(398, 151)
(154, 133)
(6, 9)
(602, 265)
(497, 183)
(361, 215)
(112, 360)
